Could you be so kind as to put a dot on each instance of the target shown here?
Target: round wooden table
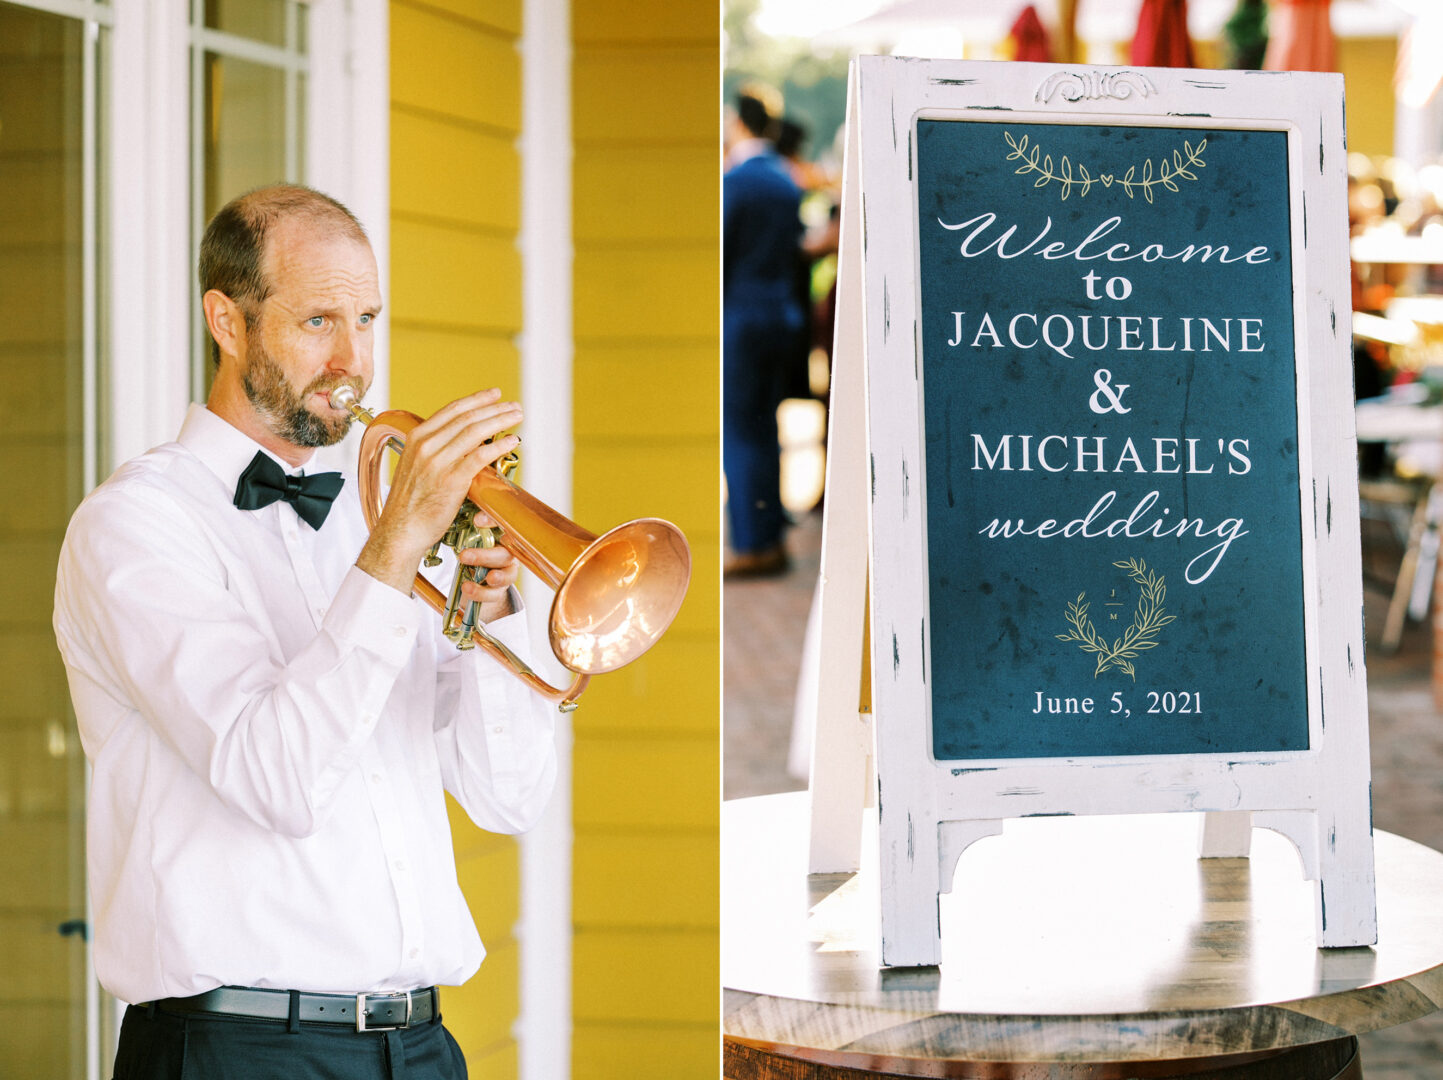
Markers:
(1080, 948)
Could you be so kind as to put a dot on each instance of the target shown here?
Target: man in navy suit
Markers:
(762, 329)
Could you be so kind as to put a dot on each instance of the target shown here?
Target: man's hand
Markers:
(442, 457)
(500, 569)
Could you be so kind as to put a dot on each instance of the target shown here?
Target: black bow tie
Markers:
(263, 482)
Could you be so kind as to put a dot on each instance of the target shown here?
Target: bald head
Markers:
(233, 250)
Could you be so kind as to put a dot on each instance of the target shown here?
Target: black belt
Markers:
(363, 1012)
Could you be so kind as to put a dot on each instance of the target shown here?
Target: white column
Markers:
(544, 933)
(147, 246)
(348, 150)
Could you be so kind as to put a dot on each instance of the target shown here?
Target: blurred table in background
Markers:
(1392, 247)
(1408, 500)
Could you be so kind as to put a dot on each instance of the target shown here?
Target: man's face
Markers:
(285, 410)
(314, 332)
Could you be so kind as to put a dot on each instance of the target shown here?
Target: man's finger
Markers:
(492, 557)
(467, 434)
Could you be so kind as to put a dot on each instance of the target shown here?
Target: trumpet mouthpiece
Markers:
(342, 397)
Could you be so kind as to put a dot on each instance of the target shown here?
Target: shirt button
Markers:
(400, 864)
(497, 730)
(415, 953)
(376, 778)
(399, 631)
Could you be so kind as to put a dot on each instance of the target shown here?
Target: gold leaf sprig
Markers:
(1168, 172)
(1141, 635)
(1182, 165)
(1033, 160)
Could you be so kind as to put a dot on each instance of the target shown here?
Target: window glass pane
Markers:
(251, 124)
(259, 20)
(42, 899)
(245, 128)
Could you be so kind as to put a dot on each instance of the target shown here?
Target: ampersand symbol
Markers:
(1105, 389)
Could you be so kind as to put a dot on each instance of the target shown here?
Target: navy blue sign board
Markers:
(1110, 411)
(1096, 326)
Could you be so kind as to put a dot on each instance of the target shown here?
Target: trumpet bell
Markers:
(619, 596)
(615, 594)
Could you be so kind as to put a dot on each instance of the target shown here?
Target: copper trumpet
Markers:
(615, 593)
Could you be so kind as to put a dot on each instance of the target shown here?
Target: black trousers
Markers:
(156, 1045)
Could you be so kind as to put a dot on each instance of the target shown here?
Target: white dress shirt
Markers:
(270, 730)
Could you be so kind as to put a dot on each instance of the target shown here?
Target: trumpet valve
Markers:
(461, 615)
(506, 464)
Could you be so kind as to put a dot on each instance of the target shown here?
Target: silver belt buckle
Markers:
(361, 1014)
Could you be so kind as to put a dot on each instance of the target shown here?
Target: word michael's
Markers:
(1098, 454)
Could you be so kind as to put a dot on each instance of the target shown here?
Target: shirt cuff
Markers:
(375, 617)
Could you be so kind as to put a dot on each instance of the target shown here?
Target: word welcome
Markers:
(1090, 248)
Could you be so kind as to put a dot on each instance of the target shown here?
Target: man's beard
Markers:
(269, 391)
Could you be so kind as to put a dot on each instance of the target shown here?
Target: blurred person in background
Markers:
(763, 328)
(791, 137)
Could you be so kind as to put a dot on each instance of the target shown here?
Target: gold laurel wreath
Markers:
(1147, 620)
(1167, 172)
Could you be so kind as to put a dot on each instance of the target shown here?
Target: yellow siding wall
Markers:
(645, 121)
(455, 308)
(645, 399)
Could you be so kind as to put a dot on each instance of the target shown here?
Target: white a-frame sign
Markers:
(1097, 322)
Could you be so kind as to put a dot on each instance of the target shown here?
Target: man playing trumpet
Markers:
(270, 716)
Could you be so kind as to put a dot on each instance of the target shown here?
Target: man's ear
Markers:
(226, 321)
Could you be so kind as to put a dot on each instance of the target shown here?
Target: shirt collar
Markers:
(223, 449)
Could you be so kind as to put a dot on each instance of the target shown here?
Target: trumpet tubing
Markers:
(615, 594)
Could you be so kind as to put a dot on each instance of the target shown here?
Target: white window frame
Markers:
(150, 242)
(286, 58)
(347, 152)
(151, 247)
(149, 251)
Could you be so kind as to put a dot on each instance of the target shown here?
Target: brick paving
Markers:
(765, 622)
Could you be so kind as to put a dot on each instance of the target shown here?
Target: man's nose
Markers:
(349, 353)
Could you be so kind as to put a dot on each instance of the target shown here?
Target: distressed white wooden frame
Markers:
(929, 812)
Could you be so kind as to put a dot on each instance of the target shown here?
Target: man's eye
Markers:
(316, 320)
(366, 320)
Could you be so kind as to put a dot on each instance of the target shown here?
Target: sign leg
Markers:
(842, 737)
(1347, 909)
(1225, 834)
(911, 932)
